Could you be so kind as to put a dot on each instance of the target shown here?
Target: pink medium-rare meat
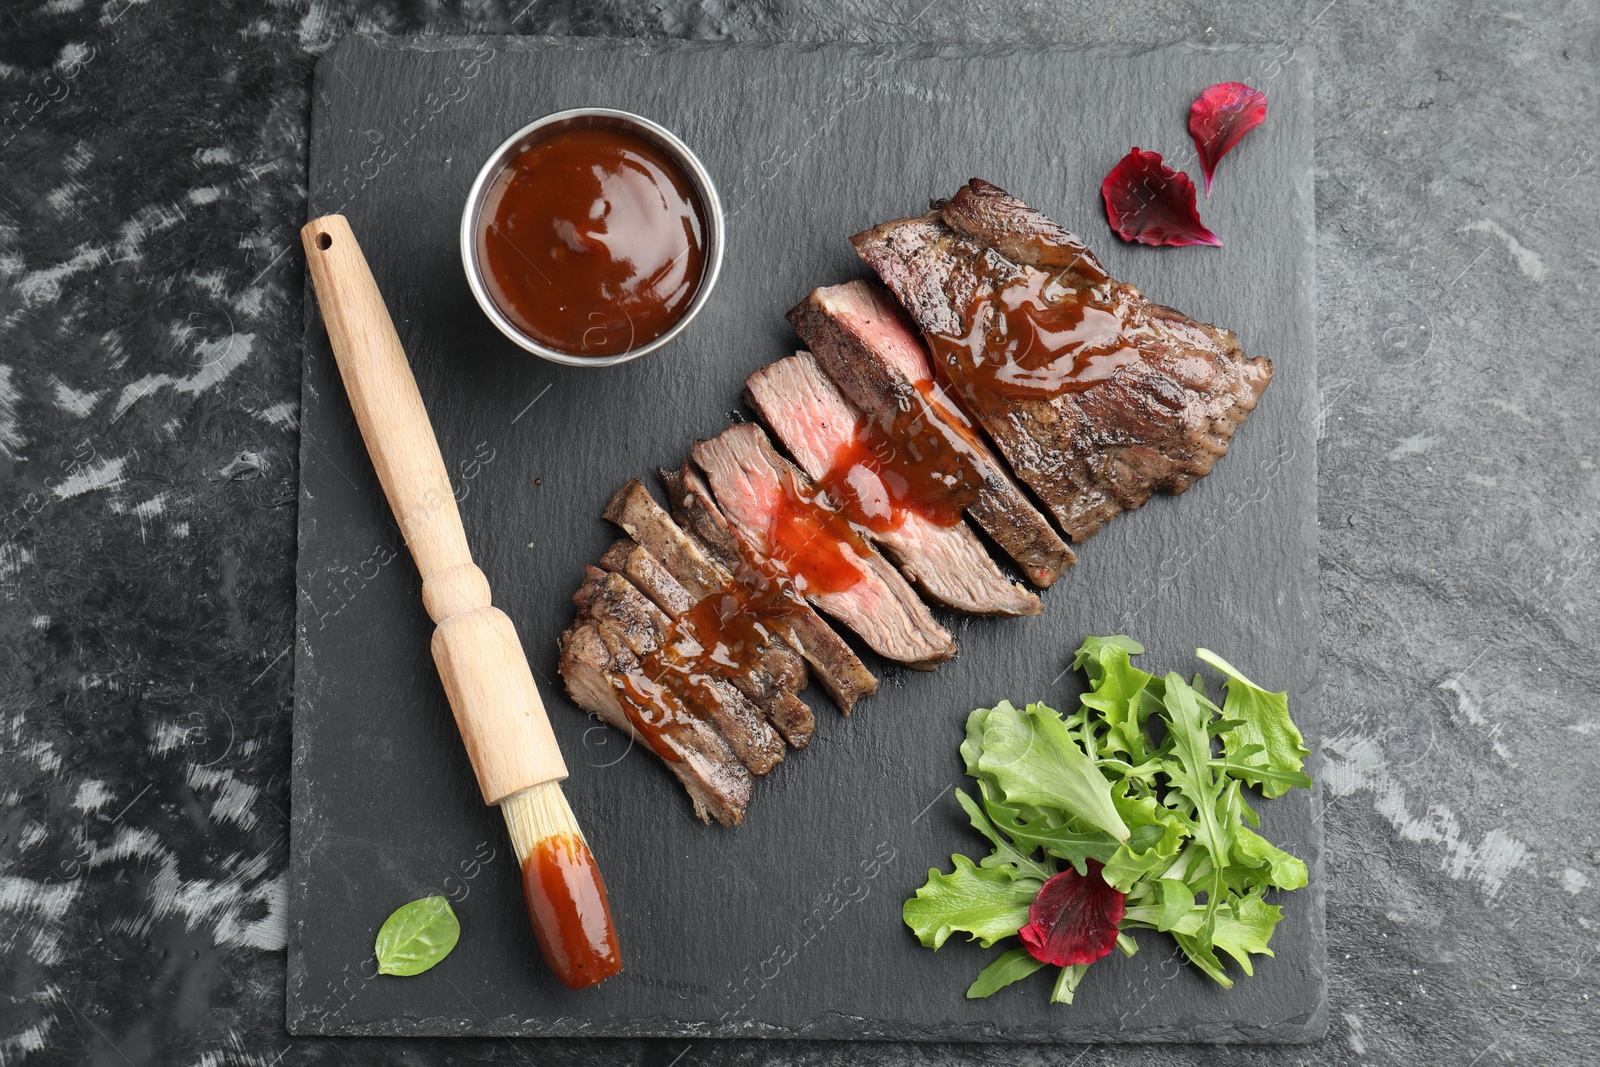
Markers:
(817, 425)
(766, 497)
(862, 340)
(834, 662)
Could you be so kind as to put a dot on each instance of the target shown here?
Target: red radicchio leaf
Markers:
(1149, 202)
(1073, 919)
(1220, 117)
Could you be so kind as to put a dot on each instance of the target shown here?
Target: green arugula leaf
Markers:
(1012, 966)
(1192, 775)
(1241, 929)
(1265, 721)
(417, 936)
(1142, 774)
(1005, 854)
(985, 902)
(1036, 765)
(1282, 781)
(1239, 935)
(1062, 842)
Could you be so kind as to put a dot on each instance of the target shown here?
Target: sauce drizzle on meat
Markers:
(1035, 337)
(885, 472)
(732, 627)
(651, 707)
(810, 540)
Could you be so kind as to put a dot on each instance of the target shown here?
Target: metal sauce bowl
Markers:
(581, 117)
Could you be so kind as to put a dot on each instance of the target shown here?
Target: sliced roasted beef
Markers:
(644, 520)
(988, 214)
(668, 659)
(631, 560)
(829, 439)
(862, 340)
(1097, 397)
(700, 573)
(695, 509)
(605, 677)
(837, 667)
(734, 644)
(774, 506)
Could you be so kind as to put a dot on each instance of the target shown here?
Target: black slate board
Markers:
(788, 926)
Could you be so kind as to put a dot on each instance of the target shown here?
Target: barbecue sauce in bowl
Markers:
(592, 241)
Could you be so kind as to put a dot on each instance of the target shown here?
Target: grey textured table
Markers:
(151, 180)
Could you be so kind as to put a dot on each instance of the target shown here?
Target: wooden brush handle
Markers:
(475, 646)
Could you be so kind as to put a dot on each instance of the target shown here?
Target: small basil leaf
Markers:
(417, 936)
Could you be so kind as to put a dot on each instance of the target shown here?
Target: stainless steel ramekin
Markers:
(511, 147)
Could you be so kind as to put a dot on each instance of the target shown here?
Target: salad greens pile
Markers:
(1127, 814)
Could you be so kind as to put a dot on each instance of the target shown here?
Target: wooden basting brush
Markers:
(480, 659)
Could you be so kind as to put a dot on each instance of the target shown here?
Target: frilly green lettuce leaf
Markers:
(1264, 721)
(1240, 931)
(1156, 834)
(1036, 766)
(1119, 692)
(1087, 658)
(986, 903)
(1266, 863)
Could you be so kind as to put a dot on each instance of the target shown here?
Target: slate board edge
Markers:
(305, 674)
(1289, 1032)
(1301, 51)
(1306, 1028)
